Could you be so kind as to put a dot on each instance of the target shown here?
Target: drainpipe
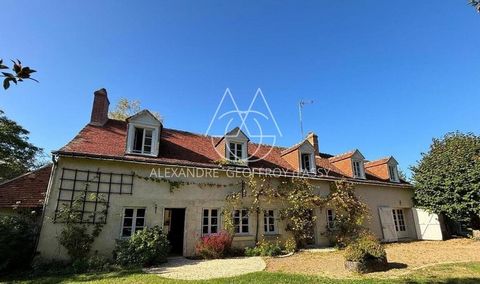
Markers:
(257, 225)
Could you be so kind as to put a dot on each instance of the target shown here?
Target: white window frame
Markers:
(144, 130)
(310, 162)
(131, 139)
(361, 169)
(267, 222)
(209, 222)
(330, 223)
(134, 218)
(240, 222)
(393, 173)
(242, 149)
(399, 220)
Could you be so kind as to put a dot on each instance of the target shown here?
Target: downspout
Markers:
(257, 225)
(47, 194)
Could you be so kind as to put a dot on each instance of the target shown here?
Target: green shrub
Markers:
(147, 247)
(17, 241)
(364, 249)
(264, 248)
(290, 245)
(90, 264)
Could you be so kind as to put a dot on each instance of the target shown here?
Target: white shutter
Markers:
(427, 225)
(388, 226)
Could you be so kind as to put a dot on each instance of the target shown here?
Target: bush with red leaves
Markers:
(214, 246)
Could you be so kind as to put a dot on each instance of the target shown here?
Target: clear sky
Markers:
(385, 76)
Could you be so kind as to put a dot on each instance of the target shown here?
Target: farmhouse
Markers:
(116, 160)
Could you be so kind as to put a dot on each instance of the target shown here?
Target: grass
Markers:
(447, 273)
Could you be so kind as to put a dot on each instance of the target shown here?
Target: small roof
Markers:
(296, 146)
(27, 190)
(344, 156)
(143, 112)
(380, 162)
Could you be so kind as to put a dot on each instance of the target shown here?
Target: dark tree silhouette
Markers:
(19, 74)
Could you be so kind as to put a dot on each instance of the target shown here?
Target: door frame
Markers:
(184, 246)
(401, 234)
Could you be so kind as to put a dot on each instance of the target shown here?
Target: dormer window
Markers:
(143, 133)
(358, 170)
(393, 173)
(306, 162)
(142, 143)
(233, 147)
(235, 151)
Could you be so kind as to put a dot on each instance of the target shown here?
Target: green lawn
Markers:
(452, 273)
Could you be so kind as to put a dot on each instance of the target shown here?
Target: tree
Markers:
(20, 73)
(447, 178)
(17, 155)
(125, 108)
(476, 4)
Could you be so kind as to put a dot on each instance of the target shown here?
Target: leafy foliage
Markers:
(447, 178)
(290, 245)
(214, 246)
(19, 74)
(17, 240)
(93, 263)
(78, 237)
(125, 108)
(17, 155)
(146, 247)
(364, 249)
(350, 213)
(300, 201)
(264, 248)
(476, 4)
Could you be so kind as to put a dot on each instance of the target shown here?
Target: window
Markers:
(357, 169)
(142, 141)
(393, 173)
(269, 222)
(306, 166)
(210, 221)
(240, 221)
(133, 220)
(399, 220)
(235, 152)
(330, 219)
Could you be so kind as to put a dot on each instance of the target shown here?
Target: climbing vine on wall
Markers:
(176, 184)
(350, 213)
(297, 200)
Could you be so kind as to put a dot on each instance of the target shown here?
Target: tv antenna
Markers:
(301, 104)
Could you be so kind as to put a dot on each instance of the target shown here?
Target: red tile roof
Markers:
(27, 190)
(343, 156)
(377, 162)
(176, 148)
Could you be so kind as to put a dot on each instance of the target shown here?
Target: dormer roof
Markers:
(347, 155)
(298, 145)
(146, 116)
(386, 160)
(235, 133)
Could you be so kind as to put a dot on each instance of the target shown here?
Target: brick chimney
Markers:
(100, 108)
(313, 139)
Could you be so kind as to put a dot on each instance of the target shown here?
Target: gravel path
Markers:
(187, 269)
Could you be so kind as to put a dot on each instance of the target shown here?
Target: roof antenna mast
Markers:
(301, 104)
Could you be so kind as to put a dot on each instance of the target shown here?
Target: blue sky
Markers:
(385, 76)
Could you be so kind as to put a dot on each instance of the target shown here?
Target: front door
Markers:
(174, 226)
(399, 221)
